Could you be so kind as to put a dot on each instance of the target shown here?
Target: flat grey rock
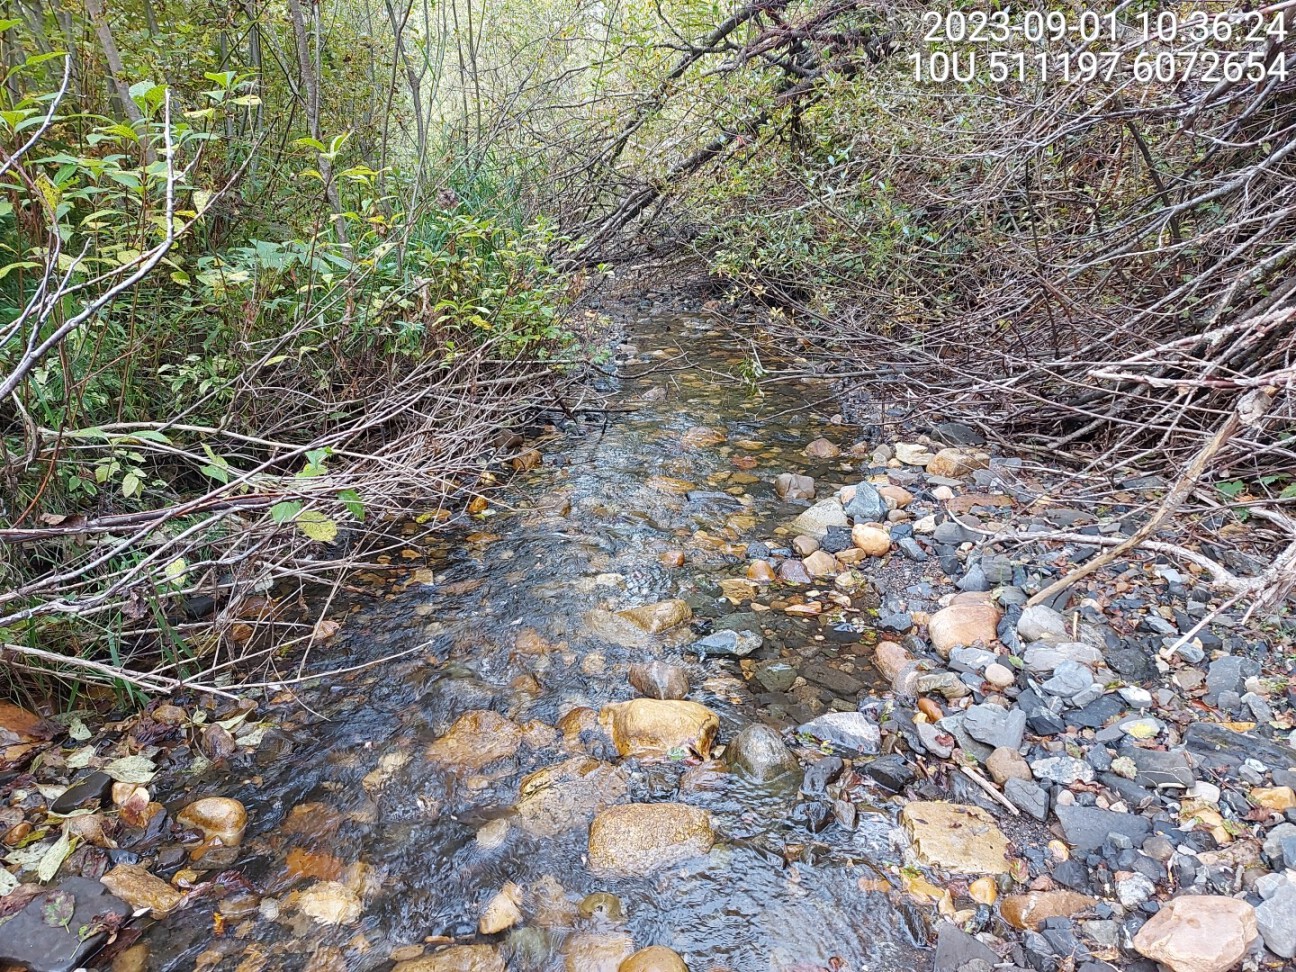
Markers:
(1276, 921)
(54, 932)
(849, 730)
(1085, 828)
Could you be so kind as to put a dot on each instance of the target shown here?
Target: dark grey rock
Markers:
(1227, 674)
(953, 533)
(1162, 768)
(93, 788)
(867, 505)
(1223, 747)
(912, 549)
(835, 680)
(776, 675)
(997, 570)
(970, 659)
(995, 726)
(1072, 874)
(727, 644)
(820, 774)
(956, 434)
(1085, 828)
(1069, 679)
(955, 948)
(891, 772)
(758, 753)
(1097, 713)
(1027, 796)
(31, 939)
(898, 621)
(835, 540)
(973, 580)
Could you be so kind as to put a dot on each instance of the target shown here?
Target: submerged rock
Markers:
(791, 486)
(1034, 908)
(955, 837)
(815, 521)
(656, 727)
(596, 951)
(566, 795)
(655, 618)
(475, 740)
(659, 680)
(330, 903)
(638, 838)
(759, 754)
(1198, 933)
(656, 958)
(457, 958)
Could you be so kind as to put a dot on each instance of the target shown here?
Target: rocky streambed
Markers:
(724, 683)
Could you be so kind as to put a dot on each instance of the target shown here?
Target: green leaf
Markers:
(1232, 489)
(131, 484)
(10, 22)
(353, 503)
(216, 473)
(1289, 492)
(317, 526)
(285, 512)
(53, 858)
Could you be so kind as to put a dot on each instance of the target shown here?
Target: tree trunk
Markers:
(308, 91)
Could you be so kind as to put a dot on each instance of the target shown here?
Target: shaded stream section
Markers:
(516, 621)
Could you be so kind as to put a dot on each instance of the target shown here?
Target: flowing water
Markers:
(514, 617)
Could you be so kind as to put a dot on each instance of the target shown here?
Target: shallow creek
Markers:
(517, 619)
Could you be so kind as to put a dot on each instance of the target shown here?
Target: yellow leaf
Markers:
(317, 526)
(175, 571)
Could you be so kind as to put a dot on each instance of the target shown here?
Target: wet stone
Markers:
(891, 772)
(852, 731)
(957, 838)
(32, 940)
(659, 680)
(775, 676)
(93, 788)
(759, 754)
(727, 644)
(955, 948)
(639, 838)
(833, 679)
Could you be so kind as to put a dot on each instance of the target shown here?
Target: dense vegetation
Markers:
(276, 271)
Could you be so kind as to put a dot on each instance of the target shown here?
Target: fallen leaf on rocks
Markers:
(131, 769)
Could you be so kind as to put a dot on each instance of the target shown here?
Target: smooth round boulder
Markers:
(758, 754)
(655, 958)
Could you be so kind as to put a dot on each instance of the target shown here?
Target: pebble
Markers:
(1000, 676)
(1062, 769)
(963, 624)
